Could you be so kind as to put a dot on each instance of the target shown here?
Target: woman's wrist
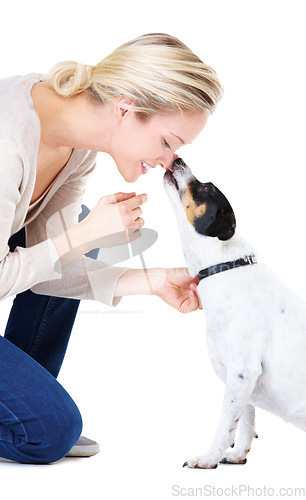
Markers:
(71, 244)
(140, 281)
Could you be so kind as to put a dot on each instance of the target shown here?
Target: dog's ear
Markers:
(223, 226)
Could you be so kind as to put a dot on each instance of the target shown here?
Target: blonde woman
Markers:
(139, 104)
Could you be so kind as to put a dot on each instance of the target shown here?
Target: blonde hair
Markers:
(155, 72)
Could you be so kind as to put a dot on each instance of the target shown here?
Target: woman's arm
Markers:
(71, 243)
(175, 286)
(140, 282)
(23, 268)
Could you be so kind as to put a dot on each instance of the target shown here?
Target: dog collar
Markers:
(225, 266)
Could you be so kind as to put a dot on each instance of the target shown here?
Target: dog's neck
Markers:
(204, 251)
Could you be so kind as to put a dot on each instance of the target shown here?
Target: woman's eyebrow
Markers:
(181, 140)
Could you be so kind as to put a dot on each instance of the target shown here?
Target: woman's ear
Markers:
(122, 107)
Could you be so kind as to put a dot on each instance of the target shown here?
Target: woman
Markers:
(139, 104)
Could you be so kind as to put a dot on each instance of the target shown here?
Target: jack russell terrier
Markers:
(256, 326)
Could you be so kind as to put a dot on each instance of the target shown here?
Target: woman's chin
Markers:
(130, 176)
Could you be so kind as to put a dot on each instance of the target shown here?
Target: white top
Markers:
(54, 212)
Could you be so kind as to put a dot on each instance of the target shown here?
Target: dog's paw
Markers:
(203, 462)
(235, 457)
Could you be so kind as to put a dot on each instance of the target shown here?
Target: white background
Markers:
(140, 373)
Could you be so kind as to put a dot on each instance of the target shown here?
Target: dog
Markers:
(256, 326)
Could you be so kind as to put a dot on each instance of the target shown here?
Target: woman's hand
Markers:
(179, 290)
(114, 220)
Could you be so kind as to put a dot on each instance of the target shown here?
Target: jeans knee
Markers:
(53, 437)
(65, 433)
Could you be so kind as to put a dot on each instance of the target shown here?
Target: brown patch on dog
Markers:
(192, 210)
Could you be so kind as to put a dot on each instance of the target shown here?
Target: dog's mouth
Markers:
(169, 177)
(177, 167)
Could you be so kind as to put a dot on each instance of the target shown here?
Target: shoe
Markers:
(84, 447)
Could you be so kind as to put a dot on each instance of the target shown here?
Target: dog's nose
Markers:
(179, 162)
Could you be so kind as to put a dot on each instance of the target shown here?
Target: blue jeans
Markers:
(39, 422)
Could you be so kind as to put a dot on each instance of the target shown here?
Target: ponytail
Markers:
(69, 78)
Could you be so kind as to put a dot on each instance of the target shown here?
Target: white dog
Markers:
(256, 326)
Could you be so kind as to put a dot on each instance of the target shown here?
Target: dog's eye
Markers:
(203, 188)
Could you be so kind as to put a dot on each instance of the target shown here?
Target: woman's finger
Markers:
(194, 293)
(138, 223)
(194, 301)
(135, 235)
(123, 196)
(136, 201)
(136, 212)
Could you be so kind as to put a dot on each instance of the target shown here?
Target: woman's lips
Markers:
(146, 166)
(144, 170)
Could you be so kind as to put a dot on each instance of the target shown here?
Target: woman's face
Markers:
(152, 140)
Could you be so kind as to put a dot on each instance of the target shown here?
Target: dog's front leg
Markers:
(246, 434)
(239, 386)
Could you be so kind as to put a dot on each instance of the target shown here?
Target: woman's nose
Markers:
(166, 161)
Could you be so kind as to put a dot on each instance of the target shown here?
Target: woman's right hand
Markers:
(115, 220)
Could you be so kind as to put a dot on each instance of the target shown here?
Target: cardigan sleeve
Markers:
(37, 267)
(23, 268)
(83, 278)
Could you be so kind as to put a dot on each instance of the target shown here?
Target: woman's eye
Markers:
(166, 144)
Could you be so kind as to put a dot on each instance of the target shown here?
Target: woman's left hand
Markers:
(179, 290)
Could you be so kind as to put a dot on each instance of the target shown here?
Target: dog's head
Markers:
(205, 207)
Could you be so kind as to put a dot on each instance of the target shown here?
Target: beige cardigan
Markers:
(55, 211)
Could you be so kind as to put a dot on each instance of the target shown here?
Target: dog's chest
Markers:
(231, 304)
(221, 299)
(220, 311)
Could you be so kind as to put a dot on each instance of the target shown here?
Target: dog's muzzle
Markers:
(178, 169)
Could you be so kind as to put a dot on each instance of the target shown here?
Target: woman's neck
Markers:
(77, 122)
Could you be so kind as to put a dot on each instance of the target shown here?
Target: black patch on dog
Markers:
(219, 218)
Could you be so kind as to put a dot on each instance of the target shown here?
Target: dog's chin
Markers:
(178, 175)
(170, 180)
